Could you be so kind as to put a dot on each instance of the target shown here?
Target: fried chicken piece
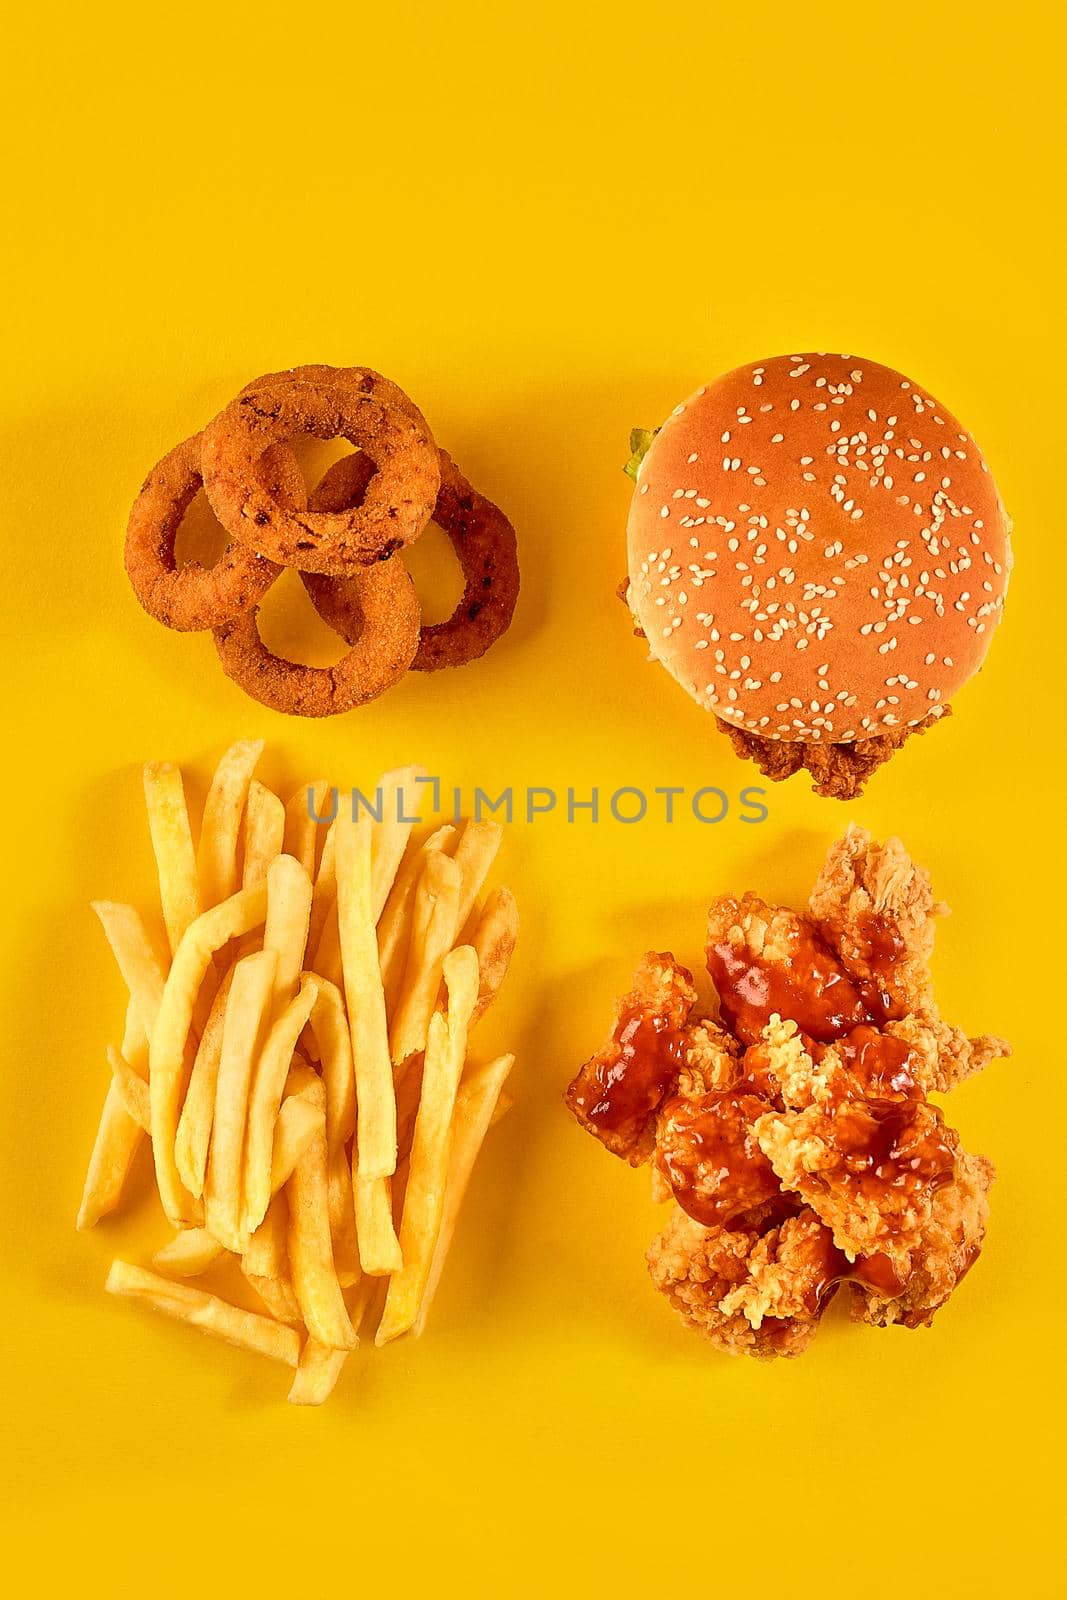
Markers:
(840, 771)
(707, 1153)
(767, 961)
(654, 1050)
(947, 1247)
(946, 1054)
(870, 1170)
(751, 1290)
(876, 909)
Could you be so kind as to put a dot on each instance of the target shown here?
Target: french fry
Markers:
(212, 929)
(264, 833)
(317, 1373)
(475, 854)
(198, 1111)
(401, 793)
(266, 1253)
(311, 1262)
(324, 894)
(330, 1027)
(420, 1224)
(188, 1254)
(268, 1082)
(297, 1125)
(119, 1134)
(379, 1247)
(301, 827)
(243, 1031)
(376, 1128)
(327, 958)
(433, 930)
(220, 830)
(494, 939)
(265, 1263)
(286, 929)
(278, 1297)
(136, 957)
(394, 922)
(477, 1103)
(132, 1089)
(206, 1312)
(118, 1138)
(342, 1208)
(172, 845)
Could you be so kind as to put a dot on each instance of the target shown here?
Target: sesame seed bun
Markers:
(817, 550)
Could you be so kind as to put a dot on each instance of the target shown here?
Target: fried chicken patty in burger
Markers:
(819, 555)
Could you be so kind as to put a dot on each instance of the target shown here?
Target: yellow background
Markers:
(549, 222)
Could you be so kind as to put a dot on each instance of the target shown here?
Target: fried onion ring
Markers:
(327, 403)
(377, 613)
(192, 597)
(485, 545)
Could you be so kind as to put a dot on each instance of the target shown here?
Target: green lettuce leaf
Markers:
(640, 440)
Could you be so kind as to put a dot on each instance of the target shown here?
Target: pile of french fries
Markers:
(298, 1058)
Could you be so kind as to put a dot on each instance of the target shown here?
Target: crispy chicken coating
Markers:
(796, 1139)
(749, 1291)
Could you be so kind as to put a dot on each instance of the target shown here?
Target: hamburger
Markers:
(819, 555)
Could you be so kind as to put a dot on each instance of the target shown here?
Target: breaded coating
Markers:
(839, 771)
(876, 909)
(753, 1292)
(869, 1170)
(795, 1140)
(766, 961)
(947, 1248)
(618, 1091)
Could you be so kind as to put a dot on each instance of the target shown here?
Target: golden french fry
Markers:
(286, 929)
(401, 794)
(118, 1138)
(172, 845)
(194, 1125)
(140, 966)
(188, 1254)
(206, 1312)
(327, 958)
(298, 1122)
(408, 1090)
(420, 1224)
(212, 929)
(271, 1070)
(379, 1247)
(243, 1031)
(330, 1027)
(277, 1295)
(324, 894)
(221, 827)
(132, 1089)
(311, 1262)
(376, 1126)
(478, 1101)
(342, 1206)
(264, 833)
(394, 922)
(301, 827)
(433, 929)
(494, 938)
(317, 1373)
(475, 854)
(266, 1254)
(119, 1134)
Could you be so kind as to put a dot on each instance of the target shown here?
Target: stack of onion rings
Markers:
(344, 539)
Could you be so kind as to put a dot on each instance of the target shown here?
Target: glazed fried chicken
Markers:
(795, 1137)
